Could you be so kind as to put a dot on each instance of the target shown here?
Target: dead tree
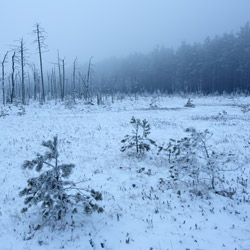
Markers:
(52, 94)
(63, 79)
(40, 38)
(90, 75)
(79, 88)
(86, 93)
(112, 88)
(74, 80)
(134, 86)
(48, 85)
(17, 84)
(29, 87)
(12, 95)
(22, 61)
(35, 79)
(18, 80)
(59, 74)
(38, 87)
(54, 83)
(3, 76)
(9, 88)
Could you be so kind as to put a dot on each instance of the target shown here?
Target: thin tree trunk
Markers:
(41, 62)
(63, 80)
(13, 78)
(29, 87)
(60, 76)
(55, 84)
(89, 75)
(35, 84)
(3, 76)
(22, 71)
(74, 81)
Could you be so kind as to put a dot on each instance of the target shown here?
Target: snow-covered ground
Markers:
(141, 210)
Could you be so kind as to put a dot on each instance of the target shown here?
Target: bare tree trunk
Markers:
(3, 76)
(54, 84)
(79, 88)
(86, 91)
(51, 85)
(38, 87)
(35, 82)
(9, 88)
(35, 86)
(63, 80)
(22, 70)
(13, 78)
(74, 80)
(89, 77)
(17, 81)
(112, 89)
(60, 77)
(39, 42)
(28, 89)
(48, 85)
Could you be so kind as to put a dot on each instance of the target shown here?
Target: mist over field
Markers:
(110, 28)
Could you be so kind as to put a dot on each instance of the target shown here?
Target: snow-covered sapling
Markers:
(51, 191)
(139, 138)
(189, 104)
(245, 108)
(190, 157)
(3, 113)
(21, 111)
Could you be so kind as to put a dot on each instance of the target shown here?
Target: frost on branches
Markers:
(52, 191)
(139, 138)
(193, 162)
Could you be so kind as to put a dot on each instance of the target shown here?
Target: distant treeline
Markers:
(218, 65)
(221, 64)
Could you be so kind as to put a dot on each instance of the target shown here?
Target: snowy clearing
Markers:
(141, 210)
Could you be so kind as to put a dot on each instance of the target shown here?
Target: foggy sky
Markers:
(105, 28)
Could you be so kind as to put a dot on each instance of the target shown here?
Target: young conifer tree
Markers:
(52, 191)
(139, 138)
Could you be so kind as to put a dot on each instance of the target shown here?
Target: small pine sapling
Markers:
(139, 138)
(52, 191)
(3, 113)
(21, 111)
(189, 104)
(190, 157)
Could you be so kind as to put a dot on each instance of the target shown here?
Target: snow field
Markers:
(141, 210)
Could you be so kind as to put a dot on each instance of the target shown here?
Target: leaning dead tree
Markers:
(39, 32)
(3, 76)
